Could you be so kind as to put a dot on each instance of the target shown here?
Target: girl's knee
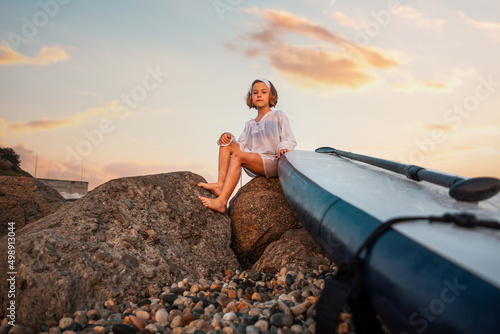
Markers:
(237, 156)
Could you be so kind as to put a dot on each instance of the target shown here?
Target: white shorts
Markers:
(270, 166)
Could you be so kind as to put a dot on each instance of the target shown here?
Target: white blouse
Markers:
(268, 136)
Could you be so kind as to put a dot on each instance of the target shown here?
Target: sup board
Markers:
(422, 277)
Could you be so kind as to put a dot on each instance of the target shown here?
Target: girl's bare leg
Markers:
(225, 153)
(238, 159)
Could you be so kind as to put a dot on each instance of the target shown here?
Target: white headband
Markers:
(268, 84)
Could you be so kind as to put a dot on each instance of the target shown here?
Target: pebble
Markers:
(252, 330)
(65, 323)
(161, 315)
(238, 302)
(280, 320)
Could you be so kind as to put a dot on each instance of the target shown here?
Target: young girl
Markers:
(263, 141)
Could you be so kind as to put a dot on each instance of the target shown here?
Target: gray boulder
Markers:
(296, 250)
(126, 239)
(260, 215)
(24, 200)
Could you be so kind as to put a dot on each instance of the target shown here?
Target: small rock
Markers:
(204, 326)
(232, 293)
(231, 316)
(177, 291)
(152, 328)
(92, 314)
(257, 297)
(176, 322)
(301, 308)
(99, 329)
(224, 301)
(161, 315)
(284, 308)
(263, 325)
(81, 319)
(142, 315)
(115, 317)
(187, 319)
(280, 320)
(75, 327)
(252, 330)
(65, 323)
(138, 323)
(123, 329)
(169, 298)
(53, 330)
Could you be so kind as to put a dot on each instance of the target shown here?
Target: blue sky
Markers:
(122, 88)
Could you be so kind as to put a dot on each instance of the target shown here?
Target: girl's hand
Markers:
(281, 152)
(225, 138)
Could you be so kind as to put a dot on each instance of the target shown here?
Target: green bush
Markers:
(7, 153)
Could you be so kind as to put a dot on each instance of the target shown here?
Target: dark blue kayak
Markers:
(421, 277)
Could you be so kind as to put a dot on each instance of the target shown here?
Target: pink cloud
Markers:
(336, 63)
(45, 124)
(46, 56)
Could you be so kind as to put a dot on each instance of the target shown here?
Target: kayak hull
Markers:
(413, 288)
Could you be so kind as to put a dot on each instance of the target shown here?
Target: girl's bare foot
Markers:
(215, 188)
(215, 204)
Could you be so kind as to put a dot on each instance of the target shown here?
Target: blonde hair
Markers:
(273, 95)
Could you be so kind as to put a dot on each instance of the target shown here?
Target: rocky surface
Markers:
(126, 239)
(260, 215)
(296, 251)
(239, 303)
(24, 200)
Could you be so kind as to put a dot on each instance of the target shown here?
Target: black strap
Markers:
(334, 296)
(347, 285)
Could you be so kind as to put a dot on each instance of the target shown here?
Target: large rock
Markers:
(24, 200)
(296, 250)
(260, 214)
(125, 239)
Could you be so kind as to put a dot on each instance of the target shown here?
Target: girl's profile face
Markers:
(260, 95)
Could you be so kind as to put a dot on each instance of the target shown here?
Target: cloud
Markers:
(422, 85)
(334, 63)
(346, 21)
(3, 128)
(491, 28)
(45, 124)
(439, 127)
(447, 82)
(414, 15)
(46, 56)
(405, 12)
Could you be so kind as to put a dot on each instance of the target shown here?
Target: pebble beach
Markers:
(239, 302)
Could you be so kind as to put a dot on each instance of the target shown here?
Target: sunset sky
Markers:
(105, 89)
